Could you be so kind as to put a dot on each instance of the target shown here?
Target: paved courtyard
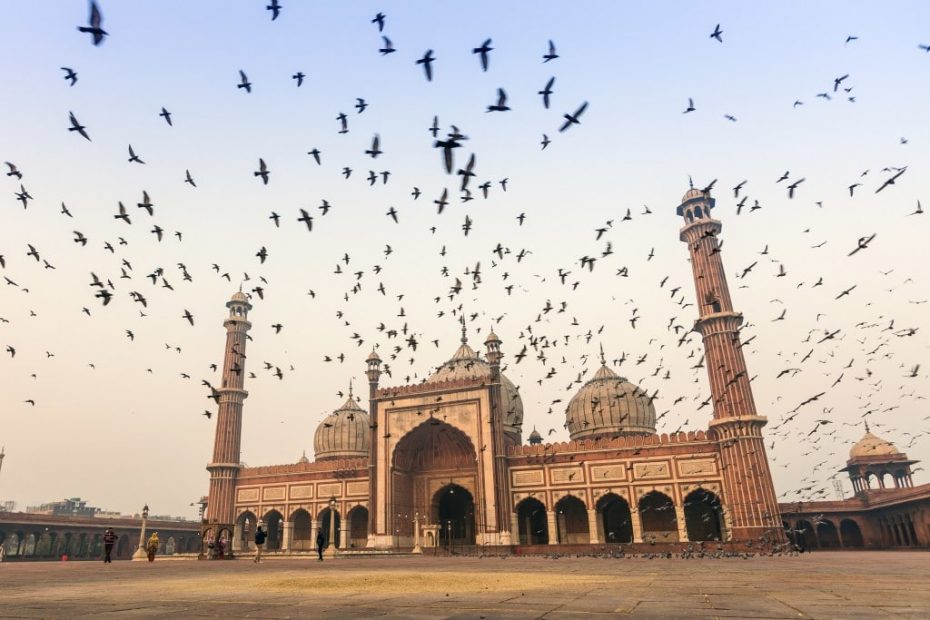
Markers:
(823, 585)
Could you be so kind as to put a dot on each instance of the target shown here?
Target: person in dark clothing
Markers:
(320, 543)
(109, 539)
(259, 543)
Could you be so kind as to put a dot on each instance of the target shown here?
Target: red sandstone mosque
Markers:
(443, 462)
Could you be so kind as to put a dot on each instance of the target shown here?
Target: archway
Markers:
(454, 511)
(358, 527)
(615, 520)
(852, 535)
(244, 534)
(29, 548)
(302, 529)
(122, 546)
(571, 519)
(171, 546)
(804, 535)
(827, 535)
(657, 515)
(533, 524)
(274, 530)
(433, 450)
(324, 525)
(703, 516)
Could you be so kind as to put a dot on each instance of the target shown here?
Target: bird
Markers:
(187, 315)
(166, 115)
(427, 62)
(262, 171)
(690, 107)
(375, 149)
(793, 187)
(572, 119)
(551, 55)
(862, 244)
(315, 153)
(94, 22)
(501, 105)
(737, 188)
(307, 219)
(188, 178)
(850, 38)
(133, 157)
(122, 215)
(11, 350)
(277, 328)
(892, 179)
(838, 81)
(443, 200)
(13, 171)
(299, 76)
(275, 9)
(483, 51)
(387, 46)
(716, 33)
(545, 142)
(546, 92)
(360, 104)
(76, 126)
(919, 210)
(244, 82)
(274, 216)
(379, 19)
(70, 75)
(262, 254)
(393, 214)
(925, 48)
(343, 123)
(468, 172)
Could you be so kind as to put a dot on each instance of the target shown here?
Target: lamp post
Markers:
(416, 533)
(331, 549)
(140, 553)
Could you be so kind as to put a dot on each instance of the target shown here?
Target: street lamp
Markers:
(331, 549)
(140, 553)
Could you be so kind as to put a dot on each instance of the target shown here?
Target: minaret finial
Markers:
(690, 182)
(464, 336)
(603, 361)
(350, 388)
(867, 425)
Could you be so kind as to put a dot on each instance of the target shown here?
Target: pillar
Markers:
(553, 530)
(592, 525)
(637, 524)
(313, 530)
(344, 537)
(681, 523)
(288, 529)
(515, 528)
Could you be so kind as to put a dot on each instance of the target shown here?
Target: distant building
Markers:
(7, 506)
(73, 506)
(887, 510)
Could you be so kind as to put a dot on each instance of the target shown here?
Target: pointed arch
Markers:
(657, 515)
(533, 525)
(572, 521)
(703, 515)
(615, 520)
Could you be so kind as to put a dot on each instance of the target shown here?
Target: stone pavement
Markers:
(821, 585)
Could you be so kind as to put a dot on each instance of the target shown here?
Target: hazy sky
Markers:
(128, 429)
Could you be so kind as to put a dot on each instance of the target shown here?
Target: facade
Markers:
(886, 510)
(443, 462)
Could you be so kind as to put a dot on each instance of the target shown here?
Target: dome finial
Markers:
(603, 361)
(690, 182)
(350, 388)
(867, 425)
(464, 336)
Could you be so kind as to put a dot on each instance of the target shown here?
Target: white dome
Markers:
(609, 405)
(343, 434)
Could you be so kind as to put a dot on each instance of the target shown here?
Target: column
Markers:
(680, 521)
(592, 525)
(515, 528)
(637, 525)
(313, 531)
(344, 537)
(288, 535)
(550, 525)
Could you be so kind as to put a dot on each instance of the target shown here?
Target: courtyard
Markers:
(820, 585)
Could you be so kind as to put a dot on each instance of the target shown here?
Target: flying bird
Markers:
(375, 149)
(716, 33)
(892, 179)
(501, 105)
(387, 47)
(94, 22)
(133, 157)
(262, 171)
(427, 62)
(166, 115)
(483, 51)
(690, 107)
(76, 126)
(379, 19)
(70, 75)
(188, 178)
(862, 244)
(546, 92)
(572, 119)
(551, 55)
(307, 219)
(275, 9)
(299, 76)
(244, 82)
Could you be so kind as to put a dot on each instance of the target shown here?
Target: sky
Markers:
(117, 423)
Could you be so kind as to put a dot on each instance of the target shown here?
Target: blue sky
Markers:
(635, 64)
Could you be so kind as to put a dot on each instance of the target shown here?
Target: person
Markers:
(109, 539)
(259, 543)
(320, 543)
(152, 546)
(220, 547)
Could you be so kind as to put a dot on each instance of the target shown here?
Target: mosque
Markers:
(442, 463)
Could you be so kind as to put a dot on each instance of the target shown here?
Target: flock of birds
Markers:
(400, 341)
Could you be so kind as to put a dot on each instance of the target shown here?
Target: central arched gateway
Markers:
(453, 509)
(434, 475)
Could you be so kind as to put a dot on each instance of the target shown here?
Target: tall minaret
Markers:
(224, 468)
(750, 494)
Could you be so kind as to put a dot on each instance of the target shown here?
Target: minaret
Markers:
(373, 373)
(502, 496)
(224, 468)
(750, 494)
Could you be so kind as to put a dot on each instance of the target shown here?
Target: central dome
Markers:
(608, 405)
(870, 445)
(343, 434)
(465, 364)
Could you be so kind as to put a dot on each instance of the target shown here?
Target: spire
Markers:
(867, 425)
(603, 361)
(690, 182)
(350, 388)
(464, 336)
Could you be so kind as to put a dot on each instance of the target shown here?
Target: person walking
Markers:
(259, 543)
(109, 539)
(320, 543)
(152, 546)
